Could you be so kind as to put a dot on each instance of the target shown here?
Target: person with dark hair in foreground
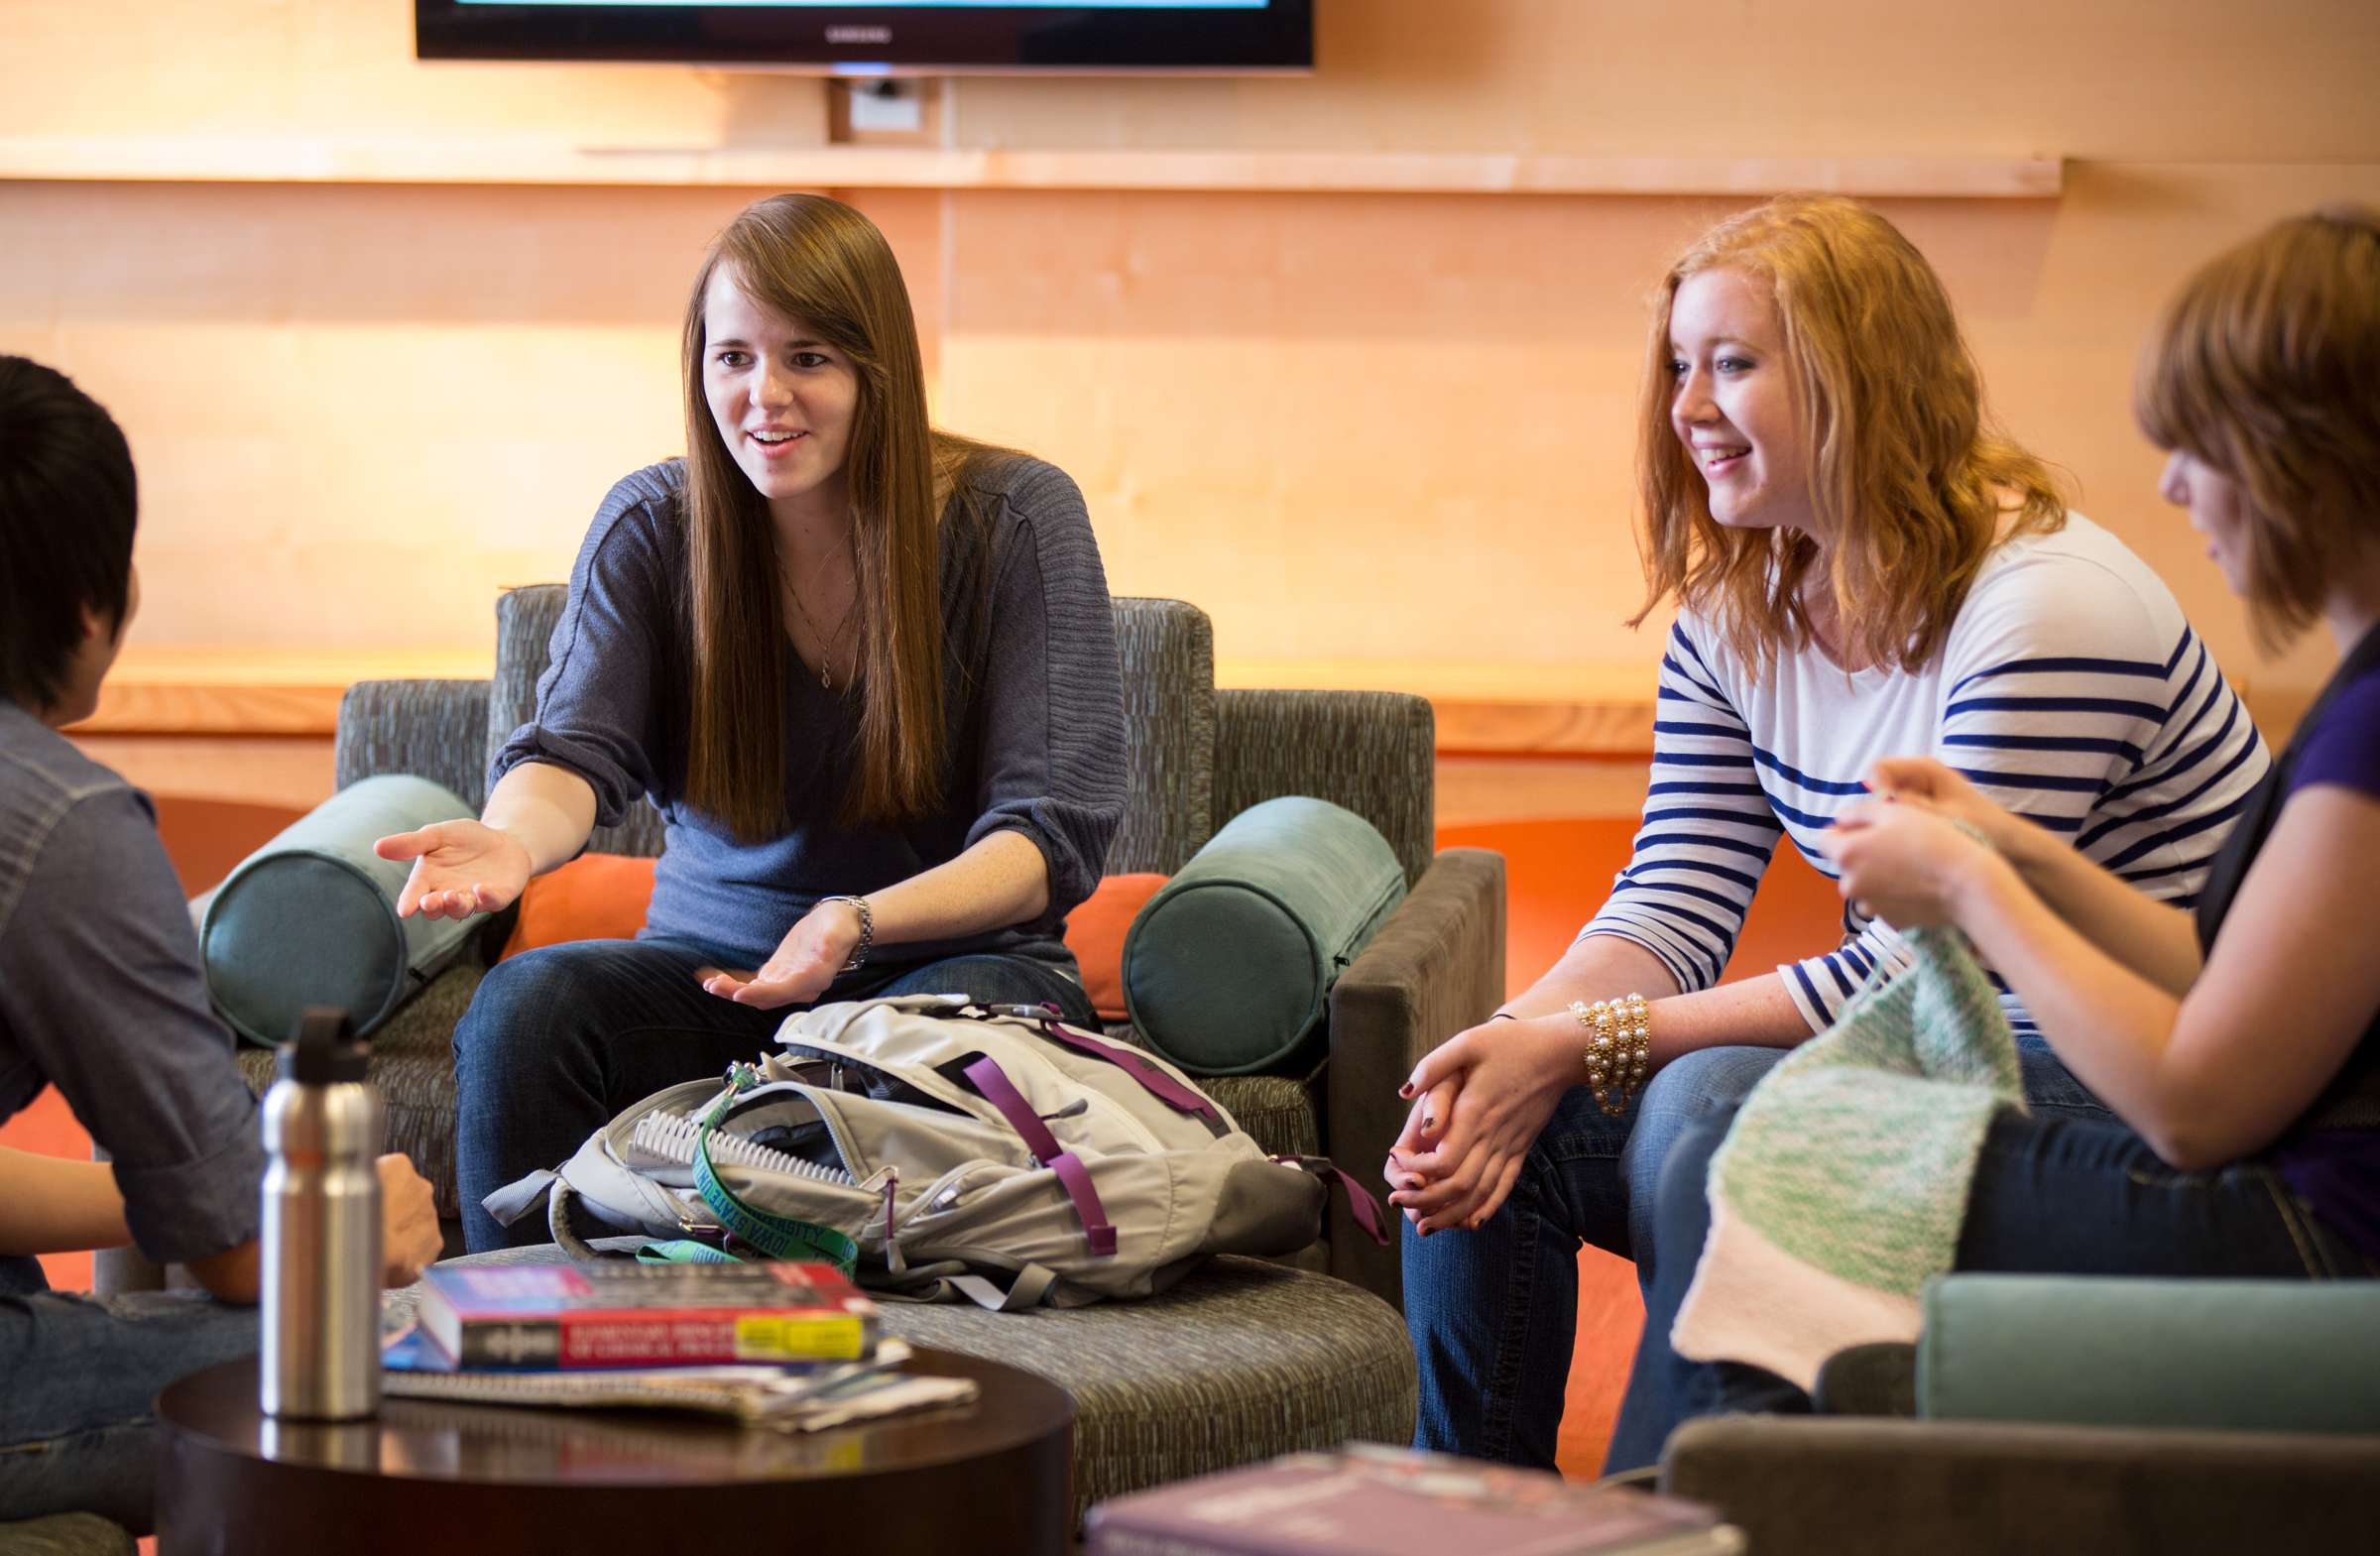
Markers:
(2239, 1047)
(101, 996)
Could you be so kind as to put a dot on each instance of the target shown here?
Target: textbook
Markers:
(543, 1317)
(1368, 1500)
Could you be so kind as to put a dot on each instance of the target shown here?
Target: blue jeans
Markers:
(79, 1378)
(560, 1040)
(1493, 1312)
(2051, 1195)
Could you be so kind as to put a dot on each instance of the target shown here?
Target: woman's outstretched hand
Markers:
(1506, 1078)
(806, 960)
(460, 868)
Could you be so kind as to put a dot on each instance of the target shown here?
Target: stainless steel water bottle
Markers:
(322, 1239)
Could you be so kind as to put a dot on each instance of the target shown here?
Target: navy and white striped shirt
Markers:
(2070, 690)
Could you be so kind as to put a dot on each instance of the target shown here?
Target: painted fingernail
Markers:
(1406, 1090)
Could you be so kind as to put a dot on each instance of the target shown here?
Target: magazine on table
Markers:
(798, 1397)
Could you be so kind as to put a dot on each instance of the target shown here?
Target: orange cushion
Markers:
(595, 897)
(1095, 934)
(603, 896)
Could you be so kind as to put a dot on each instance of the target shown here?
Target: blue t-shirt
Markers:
(2338, 1172)
(2344, 748)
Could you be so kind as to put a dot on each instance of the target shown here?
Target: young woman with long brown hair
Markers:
(2238, 1046)
(1863, 567)
(865, 668)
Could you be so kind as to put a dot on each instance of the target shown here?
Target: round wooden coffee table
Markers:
(990, 1476)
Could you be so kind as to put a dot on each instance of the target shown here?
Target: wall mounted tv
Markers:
(904, 37)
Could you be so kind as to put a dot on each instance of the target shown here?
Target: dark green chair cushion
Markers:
(1228, 969)
(310, 918)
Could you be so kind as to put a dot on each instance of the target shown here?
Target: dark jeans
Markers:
(559, 1040)
(79, 1378)
(2051, 1195)
(1493, 1312)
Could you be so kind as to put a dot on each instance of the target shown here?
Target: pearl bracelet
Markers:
(1619, 1051)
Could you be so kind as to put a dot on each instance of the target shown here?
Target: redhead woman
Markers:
(2239, 1046)
(1862, 567)
(866, 670)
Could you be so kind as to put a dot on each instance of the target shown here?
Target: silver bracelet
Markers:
(859, 953)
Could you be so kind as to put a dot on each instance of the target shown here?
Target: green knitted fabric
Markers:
(1855, 1154)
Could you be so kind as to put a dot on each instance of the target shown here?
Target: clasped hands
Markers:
(462, 868)
(1483, 1097)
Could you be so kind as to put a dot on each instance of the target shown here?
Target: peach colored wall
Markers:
(1350, 425)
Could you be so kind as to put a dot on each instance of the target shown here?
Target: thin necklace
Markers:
(826, 646)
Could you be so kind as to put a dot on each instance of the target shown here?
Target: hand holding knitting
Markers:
(1507, 1077)
(1911, 867)
(1945, 790)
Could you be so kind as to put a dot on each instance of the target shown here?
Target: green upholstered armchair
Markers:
(2104, 1416)
(1198, 757)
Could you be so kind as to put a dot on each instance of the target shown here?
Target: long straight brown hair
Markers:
(818, 261)
(1905, 470)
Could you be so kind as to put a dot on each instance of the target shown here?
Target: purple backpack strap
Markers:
(1163, 1087)
(1359, 1202)
(993, 1082)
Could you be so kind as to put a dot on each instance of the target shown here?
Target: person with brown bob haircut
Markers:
(2239, 1046)
(1863, 567)
(866, 670)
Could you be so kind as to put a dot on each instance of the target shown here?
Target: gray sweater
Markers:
(1033, 705)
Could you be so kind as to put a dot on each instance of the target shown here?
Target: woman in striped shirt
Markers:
(2239, 1046)
(1864, 569)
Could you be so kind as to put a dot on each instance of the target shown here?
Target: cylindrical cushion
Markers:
(310, 918)
(2298, 1355)
(1228, 969)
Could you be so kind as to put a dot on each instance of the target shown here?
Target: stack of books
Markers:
(1368, 1500)
(790, 1345)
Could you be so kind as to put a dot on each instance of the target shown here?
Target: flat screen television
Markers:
(906, 37)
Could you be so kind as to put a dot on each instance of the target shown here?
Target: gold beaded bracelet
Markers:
(1619, 1048)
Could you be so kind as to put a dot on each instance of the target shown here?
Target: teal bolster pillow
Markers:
(1228, 968)
(2227, 1355)
(310, 918)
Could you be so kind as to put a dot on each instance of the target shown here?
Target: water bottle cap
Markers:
(323, 1049)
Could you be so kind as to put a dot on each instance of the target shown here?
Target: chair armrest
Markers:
(1434, 967)
(2281, 1356)
(432, 729)
(1863, 1487)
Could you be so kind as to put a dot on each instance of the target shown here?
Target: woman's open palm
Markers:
(460, 868)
